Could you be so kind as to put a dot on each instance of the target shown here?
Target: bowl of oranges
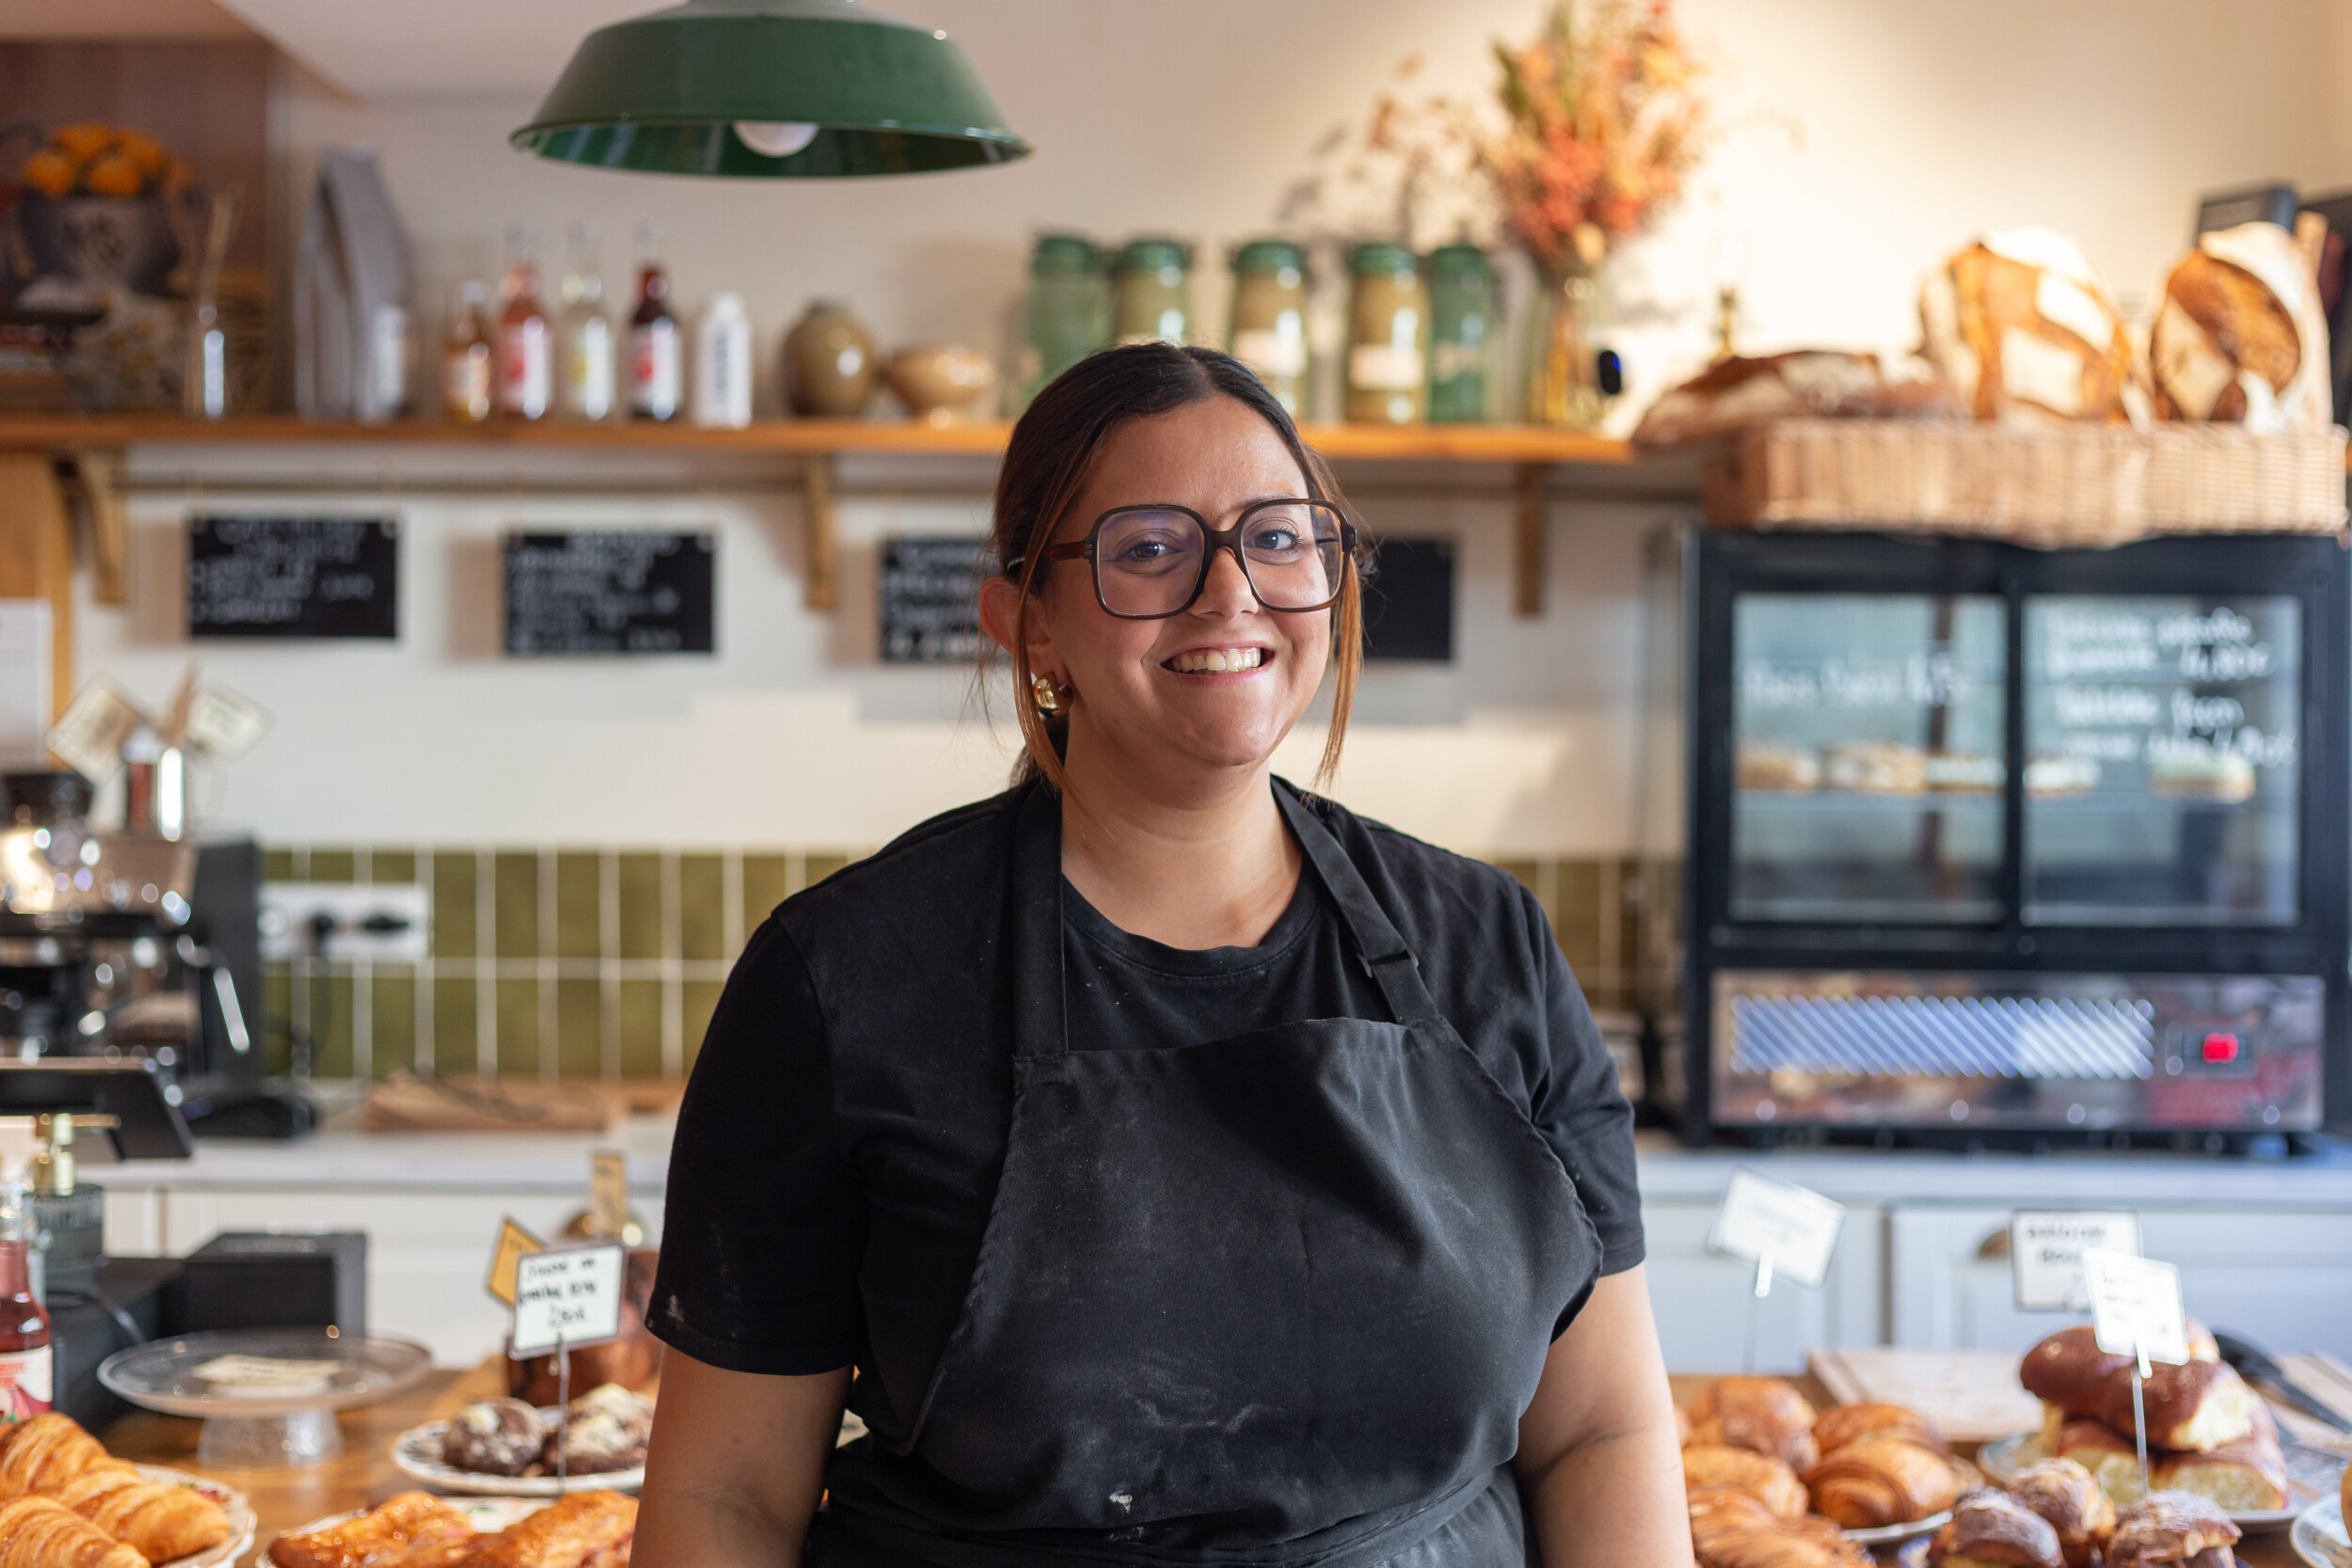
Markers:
(95, 212)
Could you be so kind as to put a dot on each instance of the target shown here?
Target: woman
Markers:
(1192, 1171)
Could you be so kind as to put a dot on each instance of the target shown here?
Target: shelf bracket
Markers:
(97, 481)
(822, 523)
(1527, 555)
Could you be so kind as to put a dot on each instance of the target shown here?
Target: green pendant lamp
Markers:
(770, 89)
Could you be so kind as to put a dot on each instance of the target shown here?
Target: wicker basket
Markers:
(2087, 488)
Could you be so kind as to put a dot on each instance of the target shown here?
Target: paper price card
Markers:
(514, 1242)
(1789, 1230)
(2046, 1247)
(2136, 1305)
(569, 1297)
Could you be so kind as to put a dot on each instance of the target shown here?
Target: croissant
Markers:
(1991, 1530)
(163, 1522)
(1765, 1413)
(2070, 1499)
(1846, 1423)
(43, 1453)
(392, 1530)
(586, 1529)
(2170, 1527)
(1805, 1542)
(43, 1532)
(1882, 1480)
(1760, 1474)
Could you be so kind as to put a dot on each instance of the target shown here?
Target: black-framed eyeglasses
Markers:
(1151, 562)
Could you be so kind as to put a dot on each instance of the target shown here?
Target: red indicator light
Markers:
(2220, 1049)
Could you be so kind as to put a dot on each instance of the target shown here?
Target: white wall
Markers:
(1864, 140)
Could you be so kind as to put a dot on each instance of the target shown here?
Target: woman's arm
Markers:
(737, 1464)
(1598, 1461)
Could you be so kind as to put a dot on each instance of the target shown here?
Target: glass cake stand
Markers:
(267, 1396)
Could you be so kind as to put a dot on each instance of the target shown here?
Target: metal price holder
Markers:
(566, 1298)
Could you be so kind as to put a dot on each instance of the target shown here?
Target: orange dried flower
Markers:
(51, 171)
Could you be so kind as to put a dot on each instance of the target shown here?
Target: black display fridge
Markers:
(1992, 847)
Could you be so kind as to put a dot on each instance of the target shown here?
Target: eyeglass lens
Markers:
(1148, 562)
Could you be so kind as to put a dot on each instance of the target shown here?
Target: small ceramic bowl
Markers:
(939, 383)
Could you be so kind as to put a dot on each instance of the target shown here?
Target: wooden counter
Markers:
(364, 1474)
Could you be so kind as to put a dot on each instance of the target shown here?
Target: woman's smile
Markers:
(1220, 662)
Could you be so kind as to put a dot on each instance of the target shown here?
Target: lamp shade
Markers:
(770, 89)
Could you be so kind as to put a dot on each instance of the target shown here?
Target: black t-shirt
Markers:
(839, 1142)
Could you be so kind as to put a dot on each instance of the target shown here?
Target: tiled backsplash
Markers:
(585, 962)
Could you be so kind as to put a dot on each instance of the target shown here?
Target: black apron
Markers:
(1276, 1299)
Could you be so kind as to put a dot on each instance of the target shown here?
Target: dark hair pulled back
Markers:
(1053, 451)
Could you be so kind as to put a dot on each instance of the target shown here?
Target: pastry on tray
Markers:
(43, 1532)
(586, 1529)
(1763, 1413)
(1848, 1424)
(2071, 1499)
(2173, 1528)
(1887, 1478)
(51, 1456)
(1876, 767)
(1760, 1476)
(394, 1532)
(1766, 766)
(1991, 1529)
(1731, 1529)
(494, 1437)
(606, 1429)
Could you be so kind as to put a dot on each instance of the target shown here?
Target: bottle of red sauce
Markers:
(27, 1380)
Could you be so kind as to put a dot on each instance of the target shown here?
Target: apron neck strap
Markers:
(1379, 947)
(1040, 1015)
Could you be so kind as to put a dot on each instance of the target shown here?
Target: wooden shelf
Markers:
(802, 438)
(86, 451)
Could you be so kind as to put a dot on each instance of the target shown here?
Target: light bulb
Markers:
(774, 139)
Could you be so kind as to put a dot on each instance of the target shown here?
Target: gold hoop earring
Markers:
(1044, 694)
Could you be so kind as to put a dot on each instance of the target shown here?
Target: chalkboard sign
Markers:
(929, 595)
(294, 577)
(609, 591)
(1409, 603)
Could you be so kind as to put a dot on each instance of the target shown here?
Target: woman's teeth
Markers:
(1214, 661)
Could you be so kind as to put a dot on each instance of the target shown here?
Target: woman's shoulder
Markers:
(944, 874)
(1433, 892)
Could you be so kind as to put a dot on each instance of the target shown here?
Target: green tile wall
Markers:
(584, 962)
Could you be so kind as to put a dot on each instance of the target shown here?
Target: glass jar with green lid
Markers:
(1068, 315)
(1465, 327)
(1152, 291)
(1388, 335)
(1269, 326)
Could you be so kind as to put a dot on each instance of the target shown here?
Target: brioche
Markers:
(2111, 1459)
(2249, 1476)
(1991, 1530)
(2069, 1371)
(1884, 1479)
(1760, 1474)
(2070, 1499)
(2197, 1405)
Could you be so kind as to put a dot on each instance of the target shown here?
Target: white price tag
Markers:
(1790, 1230)
(570, 1296)
(88, 736)
(2136, 1305)
(2046, 1247)
(222, 724)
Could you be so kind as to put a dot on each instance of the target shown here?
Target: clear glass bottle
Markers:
(657, 345)
(27, 1372)
(1388, 335)
(1151, 288)
(1269, 322)
(588, 372)
(1465, 328)
(468, 375)
(1069, 314)
(526, 340)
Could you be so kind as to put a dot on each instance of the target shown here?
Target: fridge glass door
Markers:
(1868, 769)
(2162, 772)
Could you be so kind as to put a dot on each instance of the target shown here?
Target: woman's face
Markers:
(1146, 692)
